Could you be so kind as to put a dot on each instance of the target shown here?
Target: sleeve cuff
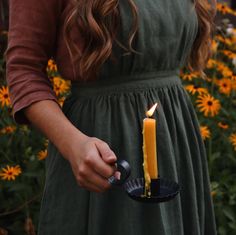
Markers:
(18, 109)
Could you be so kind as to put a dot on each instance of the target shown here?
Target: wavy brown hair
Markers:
(99, 22)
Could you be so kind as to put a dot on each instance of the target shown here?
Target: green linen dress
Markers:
(112, 109)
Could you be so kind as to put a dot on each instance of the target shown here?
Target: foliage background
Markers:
(23, 149)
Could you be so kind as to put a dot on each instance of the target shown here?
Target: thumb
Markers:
(105, 152)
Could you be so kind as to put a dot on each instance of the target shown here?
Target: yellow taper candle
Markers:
(150, 165)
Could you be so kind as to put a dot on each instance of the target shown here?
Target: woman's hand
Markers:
(92, 162)
(91, 159)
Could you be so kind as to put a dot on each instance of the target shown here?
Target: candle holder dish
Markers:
(162, 190)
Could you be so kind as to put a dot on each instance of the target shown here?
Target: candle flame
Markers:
(150, 112)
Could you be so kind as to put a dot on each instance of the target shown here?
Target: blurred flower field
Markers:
(23, 149)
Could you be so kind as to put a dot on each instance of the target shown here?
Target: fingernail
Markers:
(117, 175)
(112, 158)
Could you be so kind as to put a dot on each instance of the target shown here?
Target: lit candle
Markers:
(150, 166)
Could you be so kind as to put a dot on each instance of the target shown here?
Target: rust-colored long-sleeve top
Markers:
(35, 35)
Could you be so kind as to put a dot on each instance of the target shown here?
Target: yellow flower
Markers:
(233, 77)
(205, 132)
(223, 125)
(52, 67)
(229, 41)
(234, 32)
(223, 8)
(189, 76)
(211, 63)
(229, 54)
(10, 173)
(213, 193)
(8, 130)
(60, 86)
(224, 40)
(208, 105)
(225, 70)
(46, 143)
(61, 100)
(225, 86)
(42, 154)
(4, 96)
(232, 139)
(195, 89)
(214, 45)
(219, 38)
(233, 84)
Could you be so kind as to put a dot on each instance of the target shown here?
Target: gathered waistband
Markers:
(126, 83)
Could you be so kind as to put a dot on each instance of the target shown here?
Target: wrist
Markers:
(70, 142)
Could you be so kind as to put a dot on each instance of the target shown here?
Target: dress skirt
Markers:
(113, 110)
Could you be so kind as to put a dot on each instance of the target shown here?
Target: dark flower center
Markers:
(209, 103)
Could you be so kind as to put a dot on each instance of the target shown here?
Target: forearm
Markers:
(47, 116)
(91, 159)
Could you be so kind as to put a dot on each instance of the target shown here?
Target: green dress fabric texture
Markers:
(112, 108)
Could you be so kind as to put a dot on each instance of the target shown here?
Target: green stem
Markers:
(213, 83)
(19, 208)
(27, 212)
(214, 73)
(5, 155)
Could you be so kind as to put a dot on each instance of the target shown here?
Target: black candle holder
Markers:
(162, 190)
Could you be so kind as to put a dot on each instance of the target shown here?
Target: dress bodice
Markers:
(166, 33)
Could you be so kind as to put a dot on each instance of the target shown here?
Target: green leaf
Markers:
(229, 213)
(18, 187)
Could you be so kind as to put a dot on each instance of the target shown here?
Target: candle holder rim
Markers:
(168, 190)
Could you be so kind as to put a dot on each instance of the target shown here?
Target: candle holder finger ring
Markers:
(124, 168)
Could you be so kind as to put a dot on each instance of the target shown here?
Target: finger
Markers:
(99, 165)
(117, 175)
(81, 178)
(93, 178)
(106, 153)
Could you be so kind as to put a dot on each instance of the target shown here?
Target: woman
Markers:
(113, 85)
